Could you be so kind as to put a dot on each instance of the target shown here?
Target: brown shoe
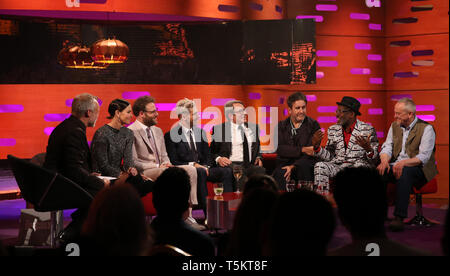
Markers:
(397, 225)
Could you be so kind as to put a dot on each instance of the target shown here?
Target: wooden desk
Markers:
(221, 210)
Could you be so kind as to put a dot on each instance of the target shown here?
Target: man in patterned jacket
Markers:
(351, 143)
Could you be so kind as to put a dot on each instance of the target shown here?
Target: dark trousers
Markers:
(411, 177)
(303, 170)
(248, 171)
(216, 174)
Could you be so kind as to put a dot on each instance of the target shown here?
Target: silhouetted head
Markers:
(171, 193)
(302, 223)
(260, 181)
(361, 200)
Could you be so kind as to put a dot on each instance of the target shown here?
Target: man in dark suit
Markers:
(187, 144)
(68, 153)
(295, 136)
(236, 143)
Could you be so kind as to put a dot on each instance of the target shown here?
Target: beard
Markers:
(149, 121)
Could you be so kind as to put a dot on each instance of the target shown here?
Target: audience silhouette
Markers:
(362, 207)
(302, 224)
(116, 224)
(171, 200)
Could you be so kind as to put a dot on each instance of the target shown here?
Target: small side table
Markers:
(221, 210)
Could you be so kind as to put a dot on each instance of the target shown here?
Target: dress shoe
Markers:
(396, 225)
(194, 224)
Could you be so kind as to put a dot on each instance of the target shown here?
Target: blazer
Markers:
(289, 148)
(336, 152)
(221, 141)
(68, 153)
(178, 148)
(143, 156)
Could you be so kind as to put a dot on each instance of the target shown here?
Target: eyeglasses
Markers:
(242, 111)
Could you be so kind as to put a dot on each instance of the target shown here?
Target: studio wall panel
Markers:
(422, 63)
(424, 17)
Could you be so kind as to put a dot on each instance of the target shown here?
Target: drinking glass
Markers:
(218, 188)
(238, 172)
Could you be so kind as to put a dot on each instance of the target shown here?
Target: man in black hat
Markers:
(351, 143)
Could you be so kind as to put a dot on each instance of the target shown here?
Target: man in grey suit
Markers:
(149, 148)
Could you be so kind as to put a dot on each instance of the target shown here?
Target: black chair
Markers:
(48, 191)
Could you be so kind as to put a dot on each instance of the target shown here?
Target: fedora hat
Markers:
(351, 103)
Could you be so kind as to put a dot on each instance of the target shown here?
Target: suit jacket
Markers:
(143, 156)
(221, 141)
(68, 153)
(336, 152)
(289, 148)
(178, 148)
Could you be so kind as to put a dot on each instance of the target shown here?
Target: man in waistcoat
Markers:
(407, 157)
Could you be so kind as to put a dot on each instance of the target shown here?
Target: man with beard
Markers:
(149, 149)
(351, 143)
(294, 139)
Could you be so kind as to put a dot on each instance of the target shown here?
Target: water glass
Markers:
(218, 188)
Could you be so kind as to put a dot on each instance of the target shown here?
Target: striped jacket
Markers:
(336, 152)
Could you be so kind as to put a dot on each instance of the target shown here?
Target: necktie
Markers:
(153, 145)
(192, 146)
(245, 146)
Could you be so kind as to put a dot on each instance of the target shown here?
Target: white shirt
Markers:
(237, 155)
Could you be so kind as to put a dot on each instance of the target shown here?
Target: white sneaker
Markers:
(193, 223)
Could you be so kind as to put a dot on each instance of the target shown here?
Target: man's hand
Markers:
(364, 142)
(107, 182)
(308, 150)
(196, 165)
(224, 162)
(317, 138)
(383, 167)
(397, 169)
(166, 165)
(288, 169)
(96, 174)
(258, 162)
(133, 171)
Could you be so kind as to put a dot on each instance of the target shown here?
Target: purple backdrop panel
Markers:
(11, 108)
(327, 119)
(400, 96)
(208, 115)
(326, 53)
(327, 109)
(320, 74)
(7, 142)
(375, 111)
(365, 100)
(375, 57)
(166, 106)
(131, 95)
(221, 101)
(254, 96)
(311, 98)
(376, 80)
(380, 134)
(48, 130)
(360, 16)
(56, 117)
(322, 7)
(425, 107)
(228, 8)
(360, 71)
(375, 27)
(327, 63)
(363, 46)
(428, 118)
